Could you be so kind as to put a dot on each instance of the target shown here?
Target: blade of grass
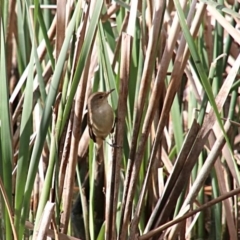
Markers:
(139, 105)
(6, 132)
(108, 71)
(44, 124)
(200, 68)
(158, 230)
(80, 74)
(92, 163)
(45, 35)
(8, 208)
(47, 186)
(24, 151)
(82, 59)
(222, 8)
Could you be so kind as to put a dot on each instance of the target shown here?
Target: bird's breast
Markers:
(102, 120)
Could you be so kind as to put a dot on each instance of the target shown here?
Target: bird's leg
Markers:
(113, 145)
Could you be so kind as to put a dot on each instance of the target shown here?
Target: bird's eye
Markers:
(101, 97)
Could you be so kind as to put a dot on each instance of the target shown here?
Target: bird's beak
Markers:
(107, 93)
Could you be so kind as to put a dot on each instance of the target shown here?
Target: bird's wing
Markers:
(91, 134)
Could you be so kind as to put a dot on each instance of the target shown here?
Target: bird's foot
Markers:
(114, 145)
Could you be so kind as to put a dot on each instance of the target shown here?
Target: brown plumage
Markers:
(100, 116)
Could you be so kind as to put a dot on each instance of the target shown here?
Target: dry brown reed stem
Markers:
(112, 8)
(76, 133)
(41, 50)
(109, 199)
(204, 172)
(8, 208)
(83, 144)
(119, 41)
(18, 109)
(47, 73)
(84, 201)
(156, 94)
(41, 231)
(92, 70)
(222, 179)
(231, 164)
(206, 168)
(11, 31)
(173, 178)
(179, 66)
(224, 22)
(60, 32)
(126, 50)
(64, 153)
(61, 25)
(51, 233)
(36, 193)
(79, 42)
(196, 148)
(139, 105)
(158, 230)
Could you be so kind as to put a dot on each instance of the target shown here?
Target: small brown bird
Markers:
(100, 117)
